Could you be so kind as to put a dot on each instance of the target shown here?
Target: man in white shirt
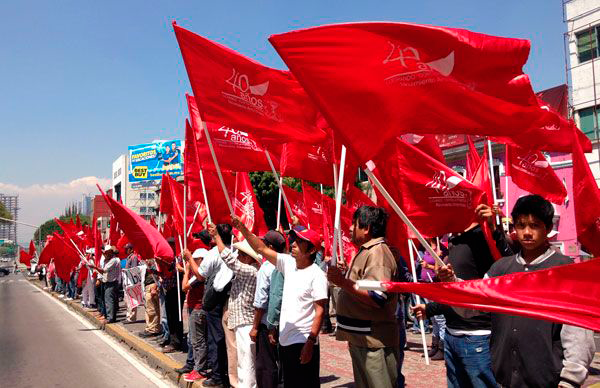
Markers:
(110, 277)
(303, 304)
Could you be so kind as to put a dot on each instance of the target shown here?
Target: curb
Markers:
(156, 360)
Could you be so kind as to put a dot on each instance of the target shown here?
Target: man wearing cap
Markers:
(133, 260)
(244, 263)
(267, 371)
(302, 307)
(110, 275)
(87, 293)
(367, 319)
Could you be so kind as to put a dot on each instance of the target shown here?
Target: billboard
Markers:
(148, 162)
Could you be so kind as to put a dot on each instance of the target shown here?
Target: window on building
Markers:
(587, 44)
(142, 195)
(460, 170)
(150, 195)
(143, 210)
(588, 121)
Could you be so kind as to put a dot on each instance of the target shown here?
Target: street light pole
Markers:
(26, 224)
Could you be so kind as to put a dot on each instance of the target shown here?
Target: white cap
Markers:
(200, 253)
(247, 249)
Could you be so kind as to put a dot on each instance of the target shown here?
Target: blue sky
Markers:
(82, 80)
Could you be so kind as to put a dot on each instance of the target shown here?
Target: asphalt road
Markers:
(42, 344)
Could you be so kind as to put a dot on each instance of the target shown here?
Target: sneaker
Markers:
(68, 298)
(184, 369)
(61, 296)
(192, 376)
(169, 349)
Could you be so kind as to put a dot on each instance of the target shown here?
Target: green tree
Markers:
(4, 213)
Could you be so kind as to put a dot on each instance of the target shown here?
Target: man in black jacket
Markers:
(525, 351)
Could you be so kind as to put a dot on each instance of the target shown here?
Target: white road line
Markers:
(151, 375)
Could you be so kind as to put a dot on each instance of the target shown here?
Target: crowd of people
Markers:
(256, 306)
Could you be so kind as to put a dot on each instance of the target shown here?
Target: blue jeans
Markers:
(468, 361)
(439, 326)
(164, 323)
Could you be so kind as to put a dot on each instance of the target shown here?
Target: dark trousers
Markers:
(267, 370)
(296, 374)
(175, 325)
(217, 351)
(100, 299)
(111, 301)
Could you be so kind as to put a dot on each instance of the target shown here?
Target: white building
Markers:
(581, 42)
(138, 196)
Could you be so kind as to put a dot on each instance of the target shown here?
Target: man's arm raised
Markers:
(256, 243)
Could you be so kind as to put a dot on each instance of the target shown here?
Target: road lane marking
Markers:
(112, 343)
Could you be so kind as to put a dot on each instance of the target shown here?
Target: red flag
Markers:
(191, 167)
(168, 229)
(32, 250)
(355, 198)
(24, 258)
(78, 223)
(240, 93)
(48, 251)
(473, 159)
(166, 203)
(305, 161)
(328, 228)
(153, 222)
(313, 203)
(587, 203)
(427, 144)
(148, 242)
(83, 274)
(246, 206)
(553, 294)
(532, 172)
(123, 240)
(68, 229)
(296, 201)
(178, 204)
(65, 256)
(97, 243)
(219, 211)
(114, 233)
(414, 78)
(436, 199)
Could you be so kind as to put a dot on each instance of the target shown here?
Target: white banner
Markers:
(133, 285)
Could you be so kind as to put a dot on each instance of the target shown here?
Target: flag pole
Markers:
(205, 197)
(413, 265)
(184, 216)
(216, 162)
(177, 277)
(279, 205)
(337, 240)
(279, 183)
(403, 216)
(492, 177)
(193, 220)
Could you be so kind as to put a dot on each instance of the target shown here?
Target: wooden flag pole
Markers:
(279, 183)
(193, 220)
(184, 216)
(216, 162)
(337, 240)
(506, 209)
(492, 177)
(177, 278)
(403, 217)
(205, 197)
(413, 265)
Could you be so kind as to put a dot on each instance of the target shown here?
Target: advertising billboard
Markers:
(148, 162)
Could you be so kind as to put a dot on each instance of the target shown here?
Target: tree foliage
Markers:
(51, 226)
(4, 213)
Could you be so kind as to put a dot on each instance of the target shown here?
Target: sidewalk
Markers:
(336, 367)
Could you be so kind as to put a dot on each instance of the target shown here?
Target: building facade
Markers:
(8, 230)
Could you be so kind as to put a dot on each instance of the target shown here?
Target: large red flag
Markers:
(414, 78)
(178, 204)
(191, 167)
(587, 203)
(305, 161)
(296, 201)
(328, 228)
(32, 250)
(240, 93)
(166, 203)
(148, 242)
(114, 231)
(97, 243)
(473, 159)
(24, 258)
(66, 257)
(246, 206)
(435, 198)
(532, 172)
(48, 251)
(565, 294)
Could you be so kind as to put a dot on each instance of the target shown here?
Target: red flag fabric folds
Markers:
(553, 294)
(414, 78)
(427, 144)
(435, 198)
(355, 198)
(473, 159)
(305, 161)
(296, 201)
(245, 206)
(24, 258)
(313, 203)
(65, 256)
(32, 252)
(532, 172)
(587, 203)
(240, 93)
(148, 242)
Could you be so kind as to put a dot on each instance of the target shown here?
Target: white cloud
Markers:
(40, 203)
